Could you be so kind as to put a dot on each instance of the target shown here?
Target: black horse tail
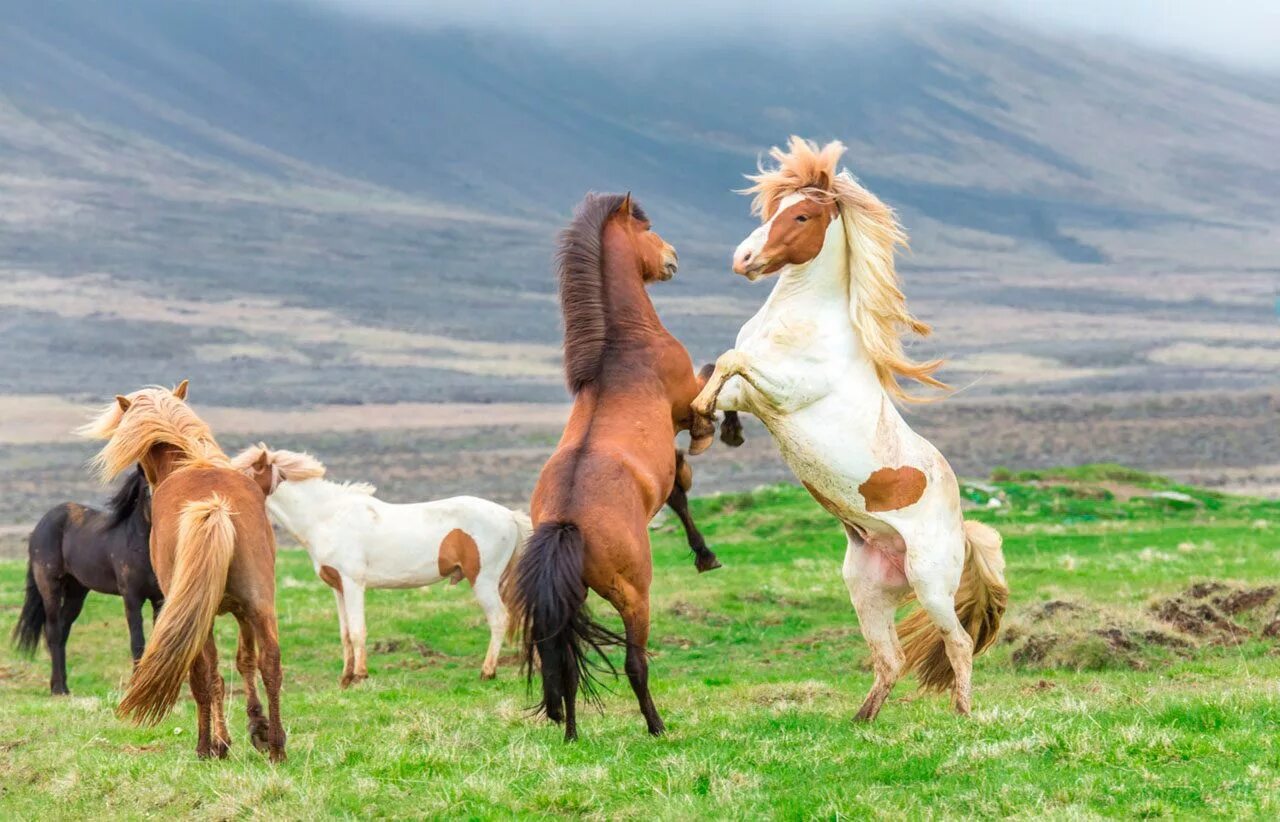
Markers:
(26, 634)
(549, 603)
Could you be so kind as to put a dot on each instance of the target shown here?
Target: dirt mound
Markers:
(1085, 636)
(1206, 610)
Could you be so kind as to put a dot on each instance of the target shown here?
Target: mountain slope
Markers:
(412, 179)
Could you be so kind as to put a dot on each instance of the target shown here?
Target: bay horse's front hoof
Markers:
(346, 681)
(706, 562)
(277, 756)
(487, 675)
(731, 430)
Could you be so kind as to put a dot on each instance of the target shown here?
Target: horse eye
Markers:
(802, 218)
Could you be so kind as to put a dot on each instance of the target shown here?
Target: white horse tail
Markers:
(506, 587)
(980, 604)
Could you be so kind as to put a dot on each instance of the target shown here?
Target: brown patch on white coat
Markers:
(459, 557)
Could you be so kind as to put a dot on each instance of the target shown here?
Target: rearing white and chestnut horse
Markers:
(820, 365)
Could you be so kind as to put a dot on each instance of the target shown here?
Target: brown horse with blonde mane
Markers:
(614, 467)
(213, 552)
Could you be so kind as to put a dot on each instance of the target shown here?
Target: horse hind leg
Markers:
(875, 590)
(133, 616)
(202, 692)
(247, 665)
(63, 602)
(217, 701)
(938, 647)
(264, 629)
(635, 616)
(495, 612)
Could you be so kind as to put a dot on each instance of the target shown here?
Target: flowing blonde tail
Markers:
(506, 583)
(206, 541)
(980, 603)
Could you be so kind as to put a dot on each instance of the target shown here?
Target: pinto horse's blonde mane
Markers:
(293, 466)
(155, 416)
(878, 308)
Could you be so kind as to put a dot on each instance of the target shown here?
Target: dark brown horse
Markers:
(214, 552)
(614, 467)
(75, 549)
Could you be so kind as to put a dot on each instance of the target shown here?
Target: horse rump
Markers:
(548, 598)
(202, 555)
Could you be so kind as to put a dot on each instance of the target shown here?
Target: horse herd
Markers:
(820, 364)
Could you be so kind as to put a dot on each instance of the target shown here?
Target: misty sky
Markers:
(1244, 33)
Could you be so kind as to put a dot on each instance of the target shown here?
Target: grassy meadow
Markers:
(1116, 691)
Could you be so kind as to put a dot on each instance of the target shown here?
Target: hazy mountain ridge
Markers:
(413, 180)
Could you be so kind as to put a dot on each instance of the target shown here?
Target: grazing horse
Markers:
(75, 549)
(820, 364)
(614, 466)
(213, 551)
(358, 542)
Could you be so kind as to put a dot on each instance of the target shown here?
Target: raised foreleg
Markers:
(704, 559)
(782, 391)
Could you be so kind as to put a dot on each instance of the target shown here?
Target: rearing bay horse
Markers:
(213, 551)
(820, 365)
(614, 466)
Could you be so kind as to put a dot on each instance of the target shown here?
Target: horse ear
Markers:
(261, 463)
(123, 402)
(625, 208)
(181, 391)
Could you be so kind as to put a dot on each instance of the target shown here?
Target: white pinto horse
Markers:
(358, 542)
(819, 365)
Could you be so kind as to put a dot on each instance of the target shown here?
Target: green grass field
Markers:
(1095, 707)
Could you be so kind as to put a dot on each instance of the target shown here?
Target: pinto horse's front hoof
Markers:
(701, 436)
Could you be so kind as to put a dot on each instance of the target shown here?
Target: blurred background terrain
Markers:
(338, 224)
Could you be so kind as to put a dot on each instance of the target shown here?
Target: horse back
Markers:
(617, 449)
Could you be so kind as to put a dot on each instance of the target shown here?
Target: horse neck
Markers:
(819, 291)
(299, 505)
(629, 313)
(161, 461)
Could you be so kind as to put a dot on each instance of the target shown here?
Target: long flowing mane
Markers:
(293, 466)
(580, 270)
(128, 498)
(878, 308)
(155, 417)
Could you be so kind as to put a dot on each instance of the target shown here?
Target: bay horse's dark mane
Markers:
(127, 499)
(580, 269)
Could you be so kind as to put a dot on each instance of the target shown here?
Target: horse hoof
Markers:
(258, 736)
(865, 714)
(699, 444)
(486, 675)
(708, 564)
(731, 437)
(276, 756)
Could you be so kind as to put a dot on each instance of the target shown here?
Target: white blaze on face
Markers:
(750, 248)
